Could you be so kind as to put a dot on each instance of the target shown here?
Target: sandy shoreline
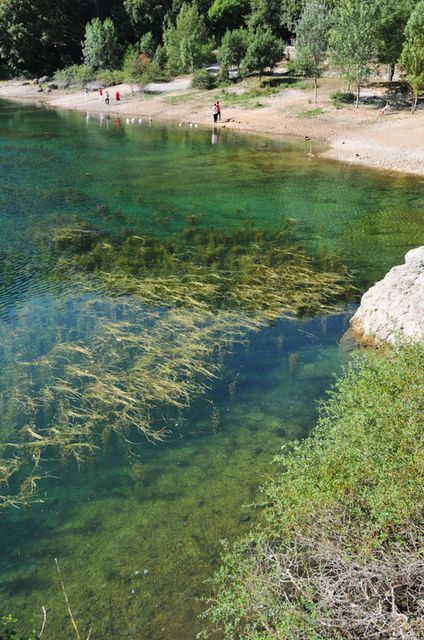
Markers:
(394, 142)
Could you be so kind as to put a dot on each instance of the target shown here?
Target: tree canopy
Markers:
(35, 39)
(101, 47)
(232, 50)
(187, 44)
(413, 51)
(264, 50)
(353, 39)
(312, 40)
(227, 14)
(182, 35)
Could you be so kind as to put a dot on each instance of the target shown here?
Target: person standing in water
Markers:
(117, 96)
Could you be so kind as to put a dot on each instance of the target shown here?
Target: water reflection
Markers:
(215, 136)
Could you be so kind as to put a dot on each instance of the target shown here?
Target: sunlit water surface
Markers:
(135, 549)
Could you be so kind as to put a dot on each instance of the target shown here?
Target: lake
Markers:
(151, 365)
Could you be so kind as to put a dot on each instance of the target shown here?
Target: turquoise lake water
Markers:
(137, 526)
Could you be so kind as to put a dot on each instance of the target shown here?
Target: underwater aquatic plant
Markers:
(150, 324)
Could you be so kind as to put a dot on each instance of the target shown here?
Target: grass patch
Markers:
(339, 553)
(311, 113)
(181, 99)
(249, 98)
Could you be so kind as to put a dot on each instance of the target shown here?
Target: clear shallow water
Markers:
(137, 542)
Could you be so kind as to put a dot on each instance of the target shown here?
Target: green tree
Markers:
(132, 66)
(413, 52)
(232, 50)
(187, 44)
(291, 11)
(312, 40)
(147, 44)
(202, 5)
(228, 14)
(160, 57)
(264, 50)
(100, 46)
(36, 40)
(394, 14)
(353, 39)
(147, 15)
(266, 14)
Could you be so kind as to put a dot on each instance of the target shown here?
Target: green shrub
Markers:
(110, 78)
(293, 70)
(339, 553)
(342, 97)
(155, 73)
(203, 80)
(132, 66)
(160, 57)
(78, 74)
(311, 113)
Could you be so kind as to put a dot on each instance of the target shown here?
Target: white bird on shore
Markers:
(191, 125)
(132, 120)
(127, 120)
(180, 124)
(140, 121)
(196, 125)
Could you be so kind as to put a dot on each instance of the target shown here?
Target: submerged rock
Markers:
(393, 309)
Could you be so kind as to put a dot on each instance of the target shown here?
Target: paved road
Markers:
(162, 87)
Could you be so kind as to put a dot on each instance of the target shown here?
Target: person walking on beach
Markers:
(100, 94)
(86, 93)
(117, 96)
(384, 110)
(215, 112)
(107, 97)
(218, 106)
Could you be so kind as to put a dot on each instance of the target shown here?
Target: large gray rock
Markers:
(393, 309)
(94, 86)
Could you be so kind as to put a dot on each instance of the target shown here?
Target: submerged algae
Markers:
(153, 327)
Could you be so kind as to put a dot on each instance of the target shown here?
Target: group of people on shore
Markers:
(107, 97)
(104, 95)
(216, 111)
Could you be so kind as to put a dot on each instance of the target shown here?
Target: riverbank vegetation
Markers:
(135, 41)
(340, 550)
(164, 311)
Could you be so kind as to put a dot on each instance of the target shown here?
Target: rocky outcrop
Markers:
(393, 309)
